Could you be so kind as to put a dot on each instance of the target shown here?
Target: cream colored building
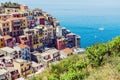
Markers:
(23, 67)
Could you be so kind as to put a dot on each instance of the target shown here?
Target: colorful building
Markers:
(7, 51)
(36, 57)
(58, 31)
(31, 22)
(23, 51)
(56, 22)
(37, 12)
(39, 32)
(4, 75)
(24, 40)
(41, 20)
(24, 67)
(71, 40)
(77, 41)
(23, 8)
(36, 38)
(13, 73)
(17, 26)
(66, 52)
(61, 43)
(4, 27)
(2, 43)
(37, 66)
(16, 15)
(9, 41)
(9, 10)
(64, 31)
(50, 55)
(4, 17)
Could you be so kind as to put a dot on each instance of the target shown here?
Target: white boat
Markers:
(101, 28)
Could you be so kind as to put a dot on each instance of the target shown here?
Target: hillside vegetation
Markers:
(99, 62)
(9, 4)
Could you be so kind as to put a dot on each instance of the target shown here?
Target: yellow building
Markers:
(39, 33)
(1, 42)
(4, 17)
(24, 8)
(4, 27)
(23, 67)
(11, 10)
(44, 31)
(13, 25)
(20, 22)
(36, 36)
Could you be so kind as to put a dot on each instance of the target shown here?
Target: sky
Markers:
(81, 7)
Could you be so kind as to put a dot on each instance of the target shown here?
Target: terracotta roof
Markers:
(22, 46)
(7, 37)
(68, 50)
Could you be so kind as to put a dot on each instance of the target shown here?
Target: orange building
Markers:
(9, 41)
(4, 17)
(2, 44)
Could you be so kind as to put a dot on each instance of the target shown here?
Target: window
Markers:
(3, 24)
(8, 10)
(1, 39)
(1, 44)
(41, 40)
(21, 64)
(7, 24)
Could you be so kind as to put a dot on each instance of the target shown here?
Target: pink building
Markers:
(26, 40)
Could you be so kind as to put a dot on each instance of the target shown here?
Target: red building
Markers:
(61, 43)
(41, 20)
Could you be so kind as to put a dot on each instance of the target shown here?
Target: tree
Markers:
(96, 54)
